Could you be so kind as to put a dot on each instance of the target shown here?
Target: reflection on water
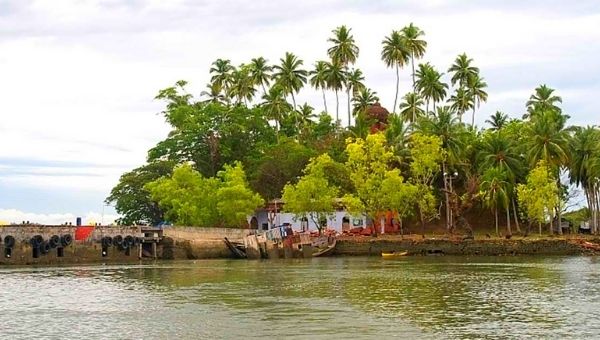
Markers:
(413, 297)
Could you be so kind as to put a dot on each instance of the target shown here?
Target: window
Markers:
(357, 222)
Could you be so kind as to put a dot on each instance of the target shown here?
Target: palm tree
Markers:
(548, 140)
(494, 189)
(214, 93)
(275, 106)
(318, 78)
(397, 134)
(260, 72)
(242, 84)
(476, 86)
(542, 100)
(462, 70)
(410, 107)
(498, 120)
(305, 114)
(363, 99)
(354, 83)
(343, 51)
(362, 126)
(415, 46)
(290, 75)
(221, 70)
(430, 85)
(335, 80)
(395, 54)
(583, 167)
(461, 101)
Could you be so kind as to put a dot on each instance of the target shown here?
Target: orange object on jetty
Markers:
(83, 232)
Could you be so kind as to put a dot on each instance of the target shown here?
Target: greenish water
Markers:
(412, 297)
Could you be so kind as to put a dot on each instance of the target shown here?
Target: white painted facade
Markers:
(335, 222)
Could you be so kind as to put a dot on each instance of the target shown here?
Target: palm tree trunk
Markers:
(427, 106)
(324, 101)
(496, 221)
(263, 88)
(446, 197)
(348, 93)
(293, 100)
(473, 116)
(397, 86)
(412, 62)
(337, 107)
(508, 229)
(516, 215)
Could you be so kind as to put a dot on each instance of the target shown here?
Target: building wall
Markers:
(334, 222)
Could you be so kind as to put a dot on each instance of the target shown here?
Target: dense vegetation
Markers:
(247, 134)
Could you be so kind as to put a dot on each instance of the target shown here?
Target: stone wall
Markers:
(199, 243)
(83, 251)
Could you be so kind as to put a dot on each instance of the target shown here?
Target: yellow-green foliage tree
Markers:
(539, 196)
(313, 196)
(426, 155)
(368, 163)
(399, 196)
(188, 198)
(235, 200)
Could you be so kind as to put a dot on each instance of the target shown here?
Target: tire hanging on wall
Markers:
(107, 241)
(9, 241)
(118, 240)
(45, 247)
(36, 241)
(129, 240)
(66, 240)
(54, 241)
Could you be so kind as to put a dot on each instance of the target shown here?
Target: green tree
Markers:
(275, 106)
(289, 75)
(495, 191)
(345, 51)
(584, 167)
(319, 80)
(399, 196)
(462, 70)
(461, 101)
(260, 72)
(539, 196)
(335, 80)
(498, 120)
(364, 98)
(410, 107)
(235, 200)
(132, 201)
(543, 100)
(396, 54)
(476, 86)
(221, 71)
(354, 83)
(313, 196)
(368, 163)
(242, 85)
(429, 85)
(415, 47)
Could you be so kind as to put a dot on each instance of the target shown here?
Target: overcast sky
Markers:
(78, 78)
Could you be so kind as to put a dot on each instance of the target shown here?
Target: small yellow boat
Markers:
(394, 254)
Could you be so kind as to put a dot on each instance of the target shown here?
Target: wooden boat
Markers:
(393, 254)
(236, 249)
(325, 251)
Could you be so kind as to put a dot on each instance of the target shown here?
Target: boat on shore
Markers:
(394, 254)
(325, 251)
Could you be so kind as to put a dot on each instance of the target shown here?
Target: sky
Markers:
(78, 78)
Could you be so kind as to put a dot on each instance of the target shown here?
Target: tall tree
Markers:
(242, 85)
(344, 51)
(495, 192)
(415, 46)
(275, 105)
(220, 71)
(543, 100)
(364, 98)
(410, 107)
(584, 168)
(260, 72)
(335, 80)
(430, 85)
(354, 83)
(462, 69)
(476, 86)
(395, 53)
(318, 78)
(290, 75)
(497, 121)
(461, 101)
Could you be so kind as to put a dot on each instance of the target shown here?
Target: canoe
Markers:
(394, 254)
